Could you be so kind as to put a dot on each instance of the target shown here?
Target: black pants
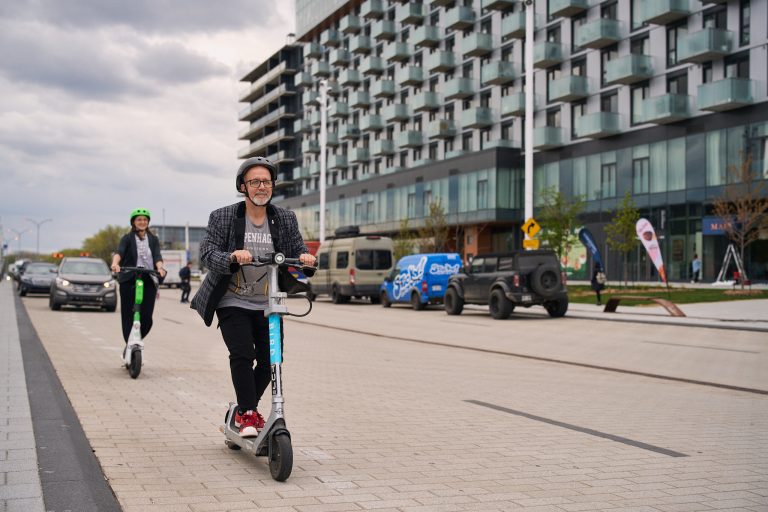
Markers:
(185, 289)
(127, 298)
(246, 334)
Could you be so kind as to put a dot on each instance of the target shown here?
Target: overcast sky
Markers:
(111, 105)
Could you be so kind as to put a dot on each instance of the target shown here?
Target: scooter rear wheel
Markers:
(280, 457)
(135, 368)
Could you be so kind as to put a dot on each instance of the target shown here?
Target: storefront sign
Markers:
(714, 225)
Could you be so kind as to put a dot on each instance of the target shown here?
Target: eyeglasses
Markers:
(263, 183)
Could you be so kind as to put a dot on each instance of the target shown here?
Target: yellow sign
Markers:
(531, 243)
(531, 228)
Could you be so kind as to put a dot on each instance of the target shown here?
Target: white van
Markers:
(173, 261)
(353, 266)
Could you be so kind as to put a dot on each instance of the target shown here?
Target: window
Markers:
(640, 175)
(466, 142)
(609, 11)
(322, 261)
(506, 131)
(639, 94)
(637, 14)
(706, 72)
(640, 46)
(342, 259)
(678, 83)
(737, 66)
(433, 151)
(476, 266)
(674, 34)
(553, 73)
(412, 205)
(608, 180)
(744, 22)
(609, 102)
(578, 109)
(579, 67)
(482, 195)
(371, 259)
(553, 117)
(715, 18)
(607, 55)
(577, 22)
(553, 34)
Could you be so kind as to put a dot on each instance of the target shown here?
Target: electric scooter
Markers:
(274, 440)
(132, 357)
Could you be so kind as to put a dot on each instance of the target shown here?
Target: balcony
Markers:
(360, 45)
(426, 35)
(426, 101)
(321, 69)
(383, 30)
(725, 94)
(498, 4)
(410, 75)
(332, 139)
(360, 155)
(459, 88)
(340, 57)
(360, 99)
(705, 45)
(569, 88)
(477, 44)
(314, 169)
(477, 117)
(338, 110)
(372, 9)
(410, 139)
(410, 13)
(371, 123)
(313, 51)
(383, 88)
(459, 18)
(598, 125)
(442, 129)
(598, 33)
(382, 147)
(439, 3)
(262, 123)
(337, 162)
(372, 65)
(547, 137)
(302, 126)
(310, 146)
(668, 108)
(497, 73)
(330, 38)
(513, 26)
(300, 173)
(628, 69)
(567, 8)
(441, 61)
(396, 112)
(334, 89)
(303, 79)
(349, 132)
(397, 52)
(547, 54)
(513, 105)
(314, 118)
(350, 24)
(349, 78)
(260, 145)
(664, 12)
(501, 143)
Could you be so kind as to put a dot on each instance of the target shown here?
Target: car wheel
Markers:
(22, 291)
(337, 297)
(556, 308)
(500, 305)
(110, 309)
(453, 303)
(545, 280)
(55, 306)
(375, 299)
(385, 300)
(416, 303)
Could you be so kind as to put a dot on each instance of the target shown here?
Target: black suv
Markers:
(503, 281)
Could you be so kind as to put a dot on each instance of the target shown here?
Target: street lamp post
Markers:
(323, 156)
(38, 224)
(529, 91)
(18, 237)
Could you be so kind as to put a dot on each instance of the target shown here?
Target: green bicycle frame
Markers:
(138, 299)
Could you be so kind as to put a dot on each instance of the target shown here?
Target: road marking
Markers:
(702, 346)
(173, 321)
(583, 430)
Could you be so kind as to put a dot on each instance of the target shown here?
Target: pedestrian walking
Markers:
(185, 274)
(598, 281)
(237, 234)
(695, 269)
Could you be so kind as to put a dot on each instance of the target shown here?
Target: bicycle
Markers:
(132, 357)
(274, 440)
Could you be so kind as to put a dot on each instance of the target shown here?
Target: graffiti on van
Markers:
(408, 278)
(444, 269)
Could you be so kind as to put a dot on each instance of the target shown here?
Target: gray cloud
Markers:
(172, 62)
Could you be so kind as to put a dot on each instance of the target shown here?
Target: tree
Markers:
(104, 243)
(559, 219)
(622, 232)
(743, 205)
(435, 230)
(403, 242)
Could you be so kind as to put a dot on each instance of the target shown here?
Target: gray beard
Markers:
(260, 201)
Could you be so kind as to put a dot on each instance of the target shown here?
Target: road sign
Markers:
(531, 228)
(531, 243)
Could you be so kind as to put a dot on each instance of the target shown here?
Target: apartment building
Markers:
(426, 104)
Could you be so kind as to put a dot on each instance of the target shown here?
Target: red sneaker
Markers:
(249, 423)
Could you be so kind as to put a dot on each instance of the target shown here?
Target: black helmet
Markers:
(256, 161)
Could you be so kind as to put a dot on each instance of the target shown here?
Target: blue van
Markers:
(420, 279)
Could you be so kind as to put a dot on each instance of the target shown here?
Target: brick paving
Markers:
(380, 423)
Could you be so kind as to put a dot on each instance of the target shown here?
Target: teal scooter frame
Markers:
(132, 357)
(274, 440)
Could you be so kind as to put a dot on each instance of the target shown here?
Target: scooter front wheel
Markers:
(135, 367)
(280, 457)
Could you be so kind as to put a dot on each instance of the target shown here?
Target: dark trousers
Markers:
(127, 298)
(246, 334)
(185, 289)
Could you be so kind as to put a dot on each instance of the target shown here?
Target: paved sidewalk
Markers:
(20, 488)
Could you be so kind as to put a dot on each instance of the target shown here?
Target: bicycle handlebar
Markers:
(278, 259)
(139, 270)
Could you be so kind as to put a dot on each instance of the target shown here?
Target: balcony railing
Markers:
(330, 37)
(477, 44)
(628, 69)
(360, 155)
(410, 75)
(547, 137)
(568, 88)
(338, 109)
(383, 30)
(313, 51)
(598, 125)
(372, 65)
(410, 13)
(303, 79)
(340, 57)
(372, 9)
(459, 88)
(668, 108)
(349, 77)
(410, 139)
(360, 99)
(426, 35)
(547, 53)
(663, 12)
(442, 129)
(725, 94)
(397, 52)
(705, 45)
(497, 73)
(350, 24)
(383, 88)
(371, 123)
(382, 147)
(332, 139)
(349, 132)
(302, 126)
(396, 112)
(513, 26)
(498, 4)
(426, 101)
(321, 69)
(567, 8)
(337, 162)
(441, 61)
(360, 44)
(598, 33)
(459, 18)
(513, 105)
(310, 146)
(477, 117)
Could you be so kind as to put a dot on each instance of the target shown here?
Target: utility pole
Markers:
(18, 237)
(38, 224)
(323, 156)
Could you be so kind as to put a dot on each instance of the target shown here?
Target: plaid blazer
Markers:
(220, 241)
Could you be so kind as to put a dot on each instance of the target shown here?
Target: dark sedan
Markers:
(84, 282)
(37, 278)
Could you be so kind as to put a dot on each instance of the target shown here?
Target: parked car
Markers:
(84, 282)
(505, 281)
(351, 265)
(16, 268)
(419, 279)
(37, 278)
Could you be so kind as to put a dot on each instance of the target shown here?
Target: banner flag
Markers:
(647, 235)
(588, 240)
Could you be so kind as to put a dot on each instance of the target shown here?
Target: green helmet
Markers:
(140, 211)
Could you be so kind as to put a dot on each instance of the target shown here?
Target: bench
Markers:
(613, 303)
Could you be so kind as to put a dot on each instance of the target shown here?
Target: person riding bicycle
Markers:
(238, 234)
(139, 248)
